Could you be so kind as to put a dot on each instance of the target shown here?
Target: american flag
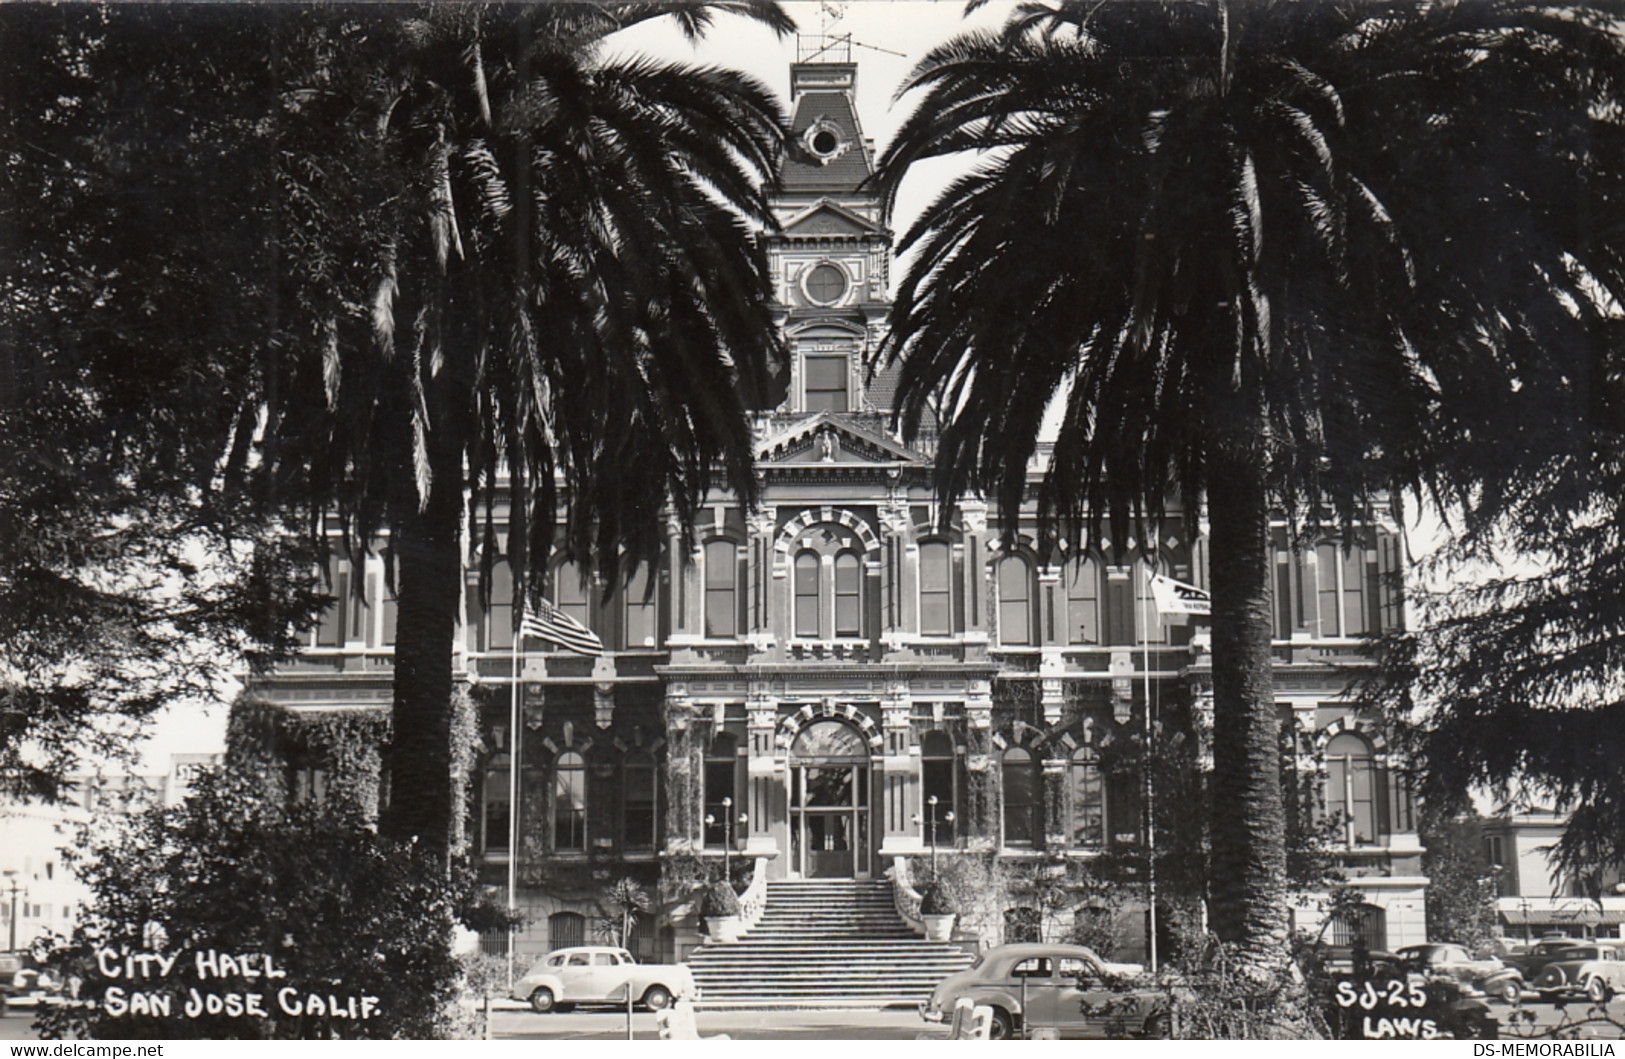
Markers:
(547, 622)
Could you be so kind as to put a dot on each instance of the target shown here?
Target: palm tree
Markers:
(508, 260)
(1226, 239)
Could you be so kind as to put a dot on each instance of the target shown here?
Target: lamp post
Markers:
(931, 831)
(13, 889)
(727, 835)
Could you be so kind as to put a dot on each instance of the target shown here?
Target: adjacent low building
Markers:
(1533, 896)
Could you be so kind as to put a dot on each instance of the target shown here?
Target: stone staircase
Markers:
(824, 943)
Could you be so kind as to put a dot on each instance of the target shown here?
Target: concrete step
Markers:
(820, 944)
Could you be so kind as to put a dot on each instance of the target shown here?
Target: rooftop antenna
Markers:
(831, 45)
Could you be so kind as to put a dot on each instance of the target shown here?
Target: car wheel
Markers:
(1597, 991)
(542, 1001)
(657, 997)
(1510, 990)
(1159, 1027)
(1002, 1026)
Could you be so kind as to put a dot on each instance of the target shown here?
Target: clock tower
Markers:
(831, 256)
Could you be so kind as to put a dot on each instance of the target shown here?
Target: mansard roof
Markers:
(805, 170)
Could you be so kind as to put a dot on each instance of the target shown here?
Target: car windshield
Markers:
(626, 957)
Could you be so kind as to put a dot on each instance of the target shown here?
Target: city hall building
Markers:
(837, 679)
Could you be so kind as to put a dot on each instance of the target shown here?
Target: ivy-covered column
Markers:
(535, 806)
(684, 771)
(981, 775)
(1055, 813)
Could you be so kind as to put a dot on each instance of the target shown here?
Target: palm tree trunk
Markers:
(428, 554)
(1248, 877)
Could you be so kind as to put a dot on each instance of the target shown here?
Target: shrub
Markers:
(936, 901)
(720, 900)
(258, 921)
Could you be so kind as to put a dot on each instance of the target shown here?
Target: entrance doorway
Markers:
(829, 802)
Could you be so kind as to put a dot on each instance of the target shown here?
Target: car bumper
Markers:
(929, 1013)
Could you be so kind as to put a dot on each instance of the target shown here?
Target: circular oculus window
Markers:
(825, 284)
(823, 139)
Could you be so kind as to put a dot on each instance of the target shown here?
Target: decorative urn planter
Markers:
(723, 928)
(938, 927)
(720, 907)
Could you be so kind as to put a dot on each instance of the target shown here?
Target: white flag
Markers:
(1176, 597)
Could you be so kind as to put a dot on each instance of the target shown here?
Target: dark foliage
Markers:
(132, 297)
(338, 908)
(1264, 256)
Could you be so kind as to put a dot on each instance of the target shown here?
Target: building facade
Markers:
(841, 677)
(1532, 896)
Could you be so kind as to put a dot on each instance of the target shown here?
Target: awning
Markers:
(1561, 917)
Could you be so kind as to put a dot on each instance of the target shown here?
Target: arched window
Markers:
(721, 778)
(1023, 924)
(806, 594)
(498, 806)
(936, 589)
(572, 595)
(499, 618)
(1082, 578)
(1088, 788)
(1366, 924)
(642, 625)
(1351, 788)
(1020, 798)
(848, 594)
(938, 779)
(566, 930)
(570, 802)
(721, 590)
(639, 823)
(1015, 601)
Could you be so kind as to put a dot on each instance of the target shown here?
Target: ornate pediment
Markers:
(829, 440)
(827, 218)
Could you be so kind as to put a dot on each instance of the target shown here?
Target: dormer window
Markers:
(826, 383)
(824, 140)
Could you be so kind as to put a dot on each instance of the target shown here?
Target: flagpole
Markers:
(515, 653)
(1150, 805)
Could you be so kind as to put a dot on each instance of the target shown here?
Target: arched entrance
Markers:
(829, 802)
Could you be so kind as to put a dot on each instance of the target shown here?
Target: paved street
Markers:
(783, 1025)
(739, 1025)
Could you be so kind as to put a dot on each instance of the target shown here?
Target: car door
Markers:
(1455, 961)
(1032, 982)
(1611, 964)
(576, 977)
(1086, 1006)
(611, 973)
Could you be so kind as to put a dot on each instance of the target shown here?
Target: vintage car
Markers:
(601, 974)
(1064, 988)
(1594, 969)
(1534, 959)
(1485, 973)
